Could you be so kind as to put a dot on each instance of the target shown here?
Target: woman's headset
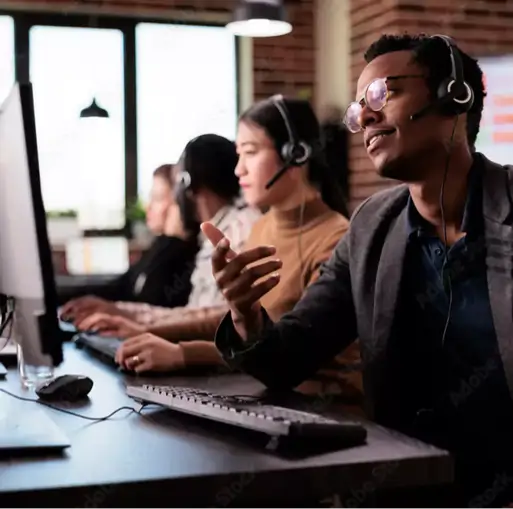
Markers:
(182, 185)
(294, 152)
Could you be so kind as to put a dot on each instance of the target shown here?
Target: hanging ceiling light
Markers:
(260, 18)
(94, 111)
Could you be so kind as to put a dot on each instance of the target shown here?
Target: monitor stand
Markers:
(25, 428)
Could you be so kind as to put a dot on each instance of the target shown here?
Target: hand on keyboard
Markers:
(76, 310)
(111, 326)
(150, 353)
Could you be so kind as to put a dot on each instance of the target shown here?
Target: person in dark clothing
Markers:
(423, 277)
(337, 151)
(162, 276)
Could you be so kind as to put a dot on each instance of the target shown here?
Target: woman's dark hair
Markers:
(210, 160)
(266, 115)
(165, 172)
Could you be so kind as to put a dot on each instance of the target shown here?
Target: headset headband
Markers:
(279, 102)
(457, 76)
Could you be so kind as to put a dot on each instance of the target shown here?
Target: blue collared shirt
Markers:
(452, 394)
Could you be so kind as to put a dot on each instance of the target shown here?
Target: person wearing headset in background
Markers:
(423, 277)
(281, 168)
(206, 188)
(153, 278)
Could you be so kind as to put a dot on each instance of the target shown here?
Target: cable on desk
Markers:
(7, 308)
(63, 410)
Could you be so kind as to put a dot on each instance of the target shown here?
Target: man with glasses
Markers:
(423, 278)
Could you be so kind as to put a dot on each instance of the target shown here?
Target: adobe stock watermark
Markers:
(379, 475)
(229, 493)
(455, 269)
(98, 497)
(180, 281)
(500, 484)
(470, 385)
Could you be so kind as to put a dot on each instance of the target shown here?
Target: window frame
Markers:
(24, 21)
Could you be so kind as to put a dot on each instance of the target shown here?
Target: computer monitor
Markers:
(26, 268)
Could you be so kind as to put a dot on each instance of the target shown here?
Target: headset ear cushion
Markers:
(296, 154)
(467, 97)
(287, 152)
(443, 92)
(454, 99)
(303, 152)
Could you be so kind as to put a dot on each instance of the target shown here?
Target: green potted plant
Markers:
(62, 214)
(135, 211)
(136, 216)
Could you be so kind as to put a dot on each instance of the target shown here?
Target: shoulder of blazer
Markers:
(379, 206)
(497, 190)
(504, 170)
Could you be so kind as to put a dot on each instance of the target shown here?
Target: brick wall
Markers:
(480, 27)
(281, 65)
(286, 64)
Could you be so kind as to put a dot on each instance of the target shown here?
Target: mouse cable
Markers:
(63, 410)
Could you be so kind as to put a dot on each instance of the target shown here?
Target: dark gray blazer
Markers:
(356, 294)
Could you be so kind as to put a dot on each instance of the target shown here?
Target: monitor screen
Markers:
(26, 268)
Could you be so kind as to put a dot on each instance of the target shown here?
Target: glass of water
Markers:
(34, 371)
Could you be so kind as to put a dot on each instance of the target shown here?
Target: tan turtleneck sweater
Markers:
(312, 243)
(302, 246)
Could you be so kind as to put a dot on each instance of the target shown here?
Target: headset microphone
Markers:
(277, 176)
(294, 152)
(432, 106)
(424, 111)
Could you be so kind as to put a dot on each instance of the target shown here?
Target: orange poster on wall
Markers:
(495, 139)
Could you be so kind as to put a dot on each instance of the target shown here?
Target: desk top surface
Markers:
(157, 447)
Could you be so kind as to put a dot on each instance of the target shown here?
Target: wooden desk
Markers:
(163, 460)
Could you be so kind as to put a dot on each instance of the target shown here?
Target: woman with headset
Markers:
(281, 168)
(169, 258)
(205, 188)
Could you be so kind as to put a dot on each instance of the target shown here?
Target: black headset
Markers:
(294, 152)
(182, 185)
(183, 178)
(454, 95)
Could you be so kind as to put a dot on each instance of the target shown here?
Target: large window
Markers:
(186, 86)
(82, 161)
(162, 84)
(6, 56)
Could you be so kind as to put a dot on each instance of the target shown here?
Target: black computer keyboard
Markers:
(100, 344)
(248, 413)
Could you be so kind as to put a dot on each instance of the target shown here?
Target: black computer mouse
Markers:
(65, 388)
